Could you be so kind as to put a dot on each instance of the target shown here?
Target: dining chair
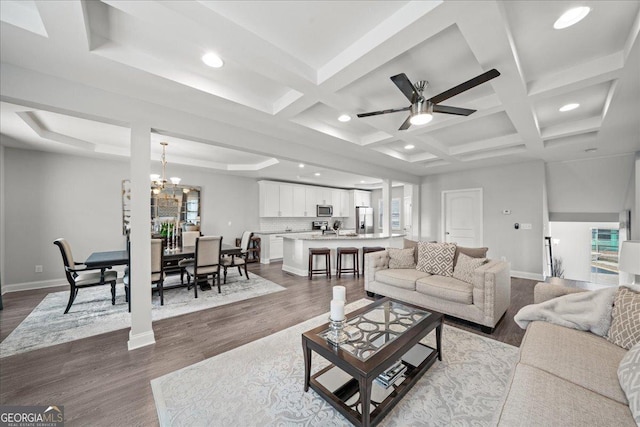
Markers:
(206, 262)
(238, 260)
(188, 240)
(80, 276)
(157, 270)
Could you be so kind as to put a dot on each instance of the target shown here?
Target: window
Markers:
(604, 254)
(395, 214)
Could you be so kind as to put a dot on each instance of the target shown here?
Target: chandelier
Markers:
(159, 183)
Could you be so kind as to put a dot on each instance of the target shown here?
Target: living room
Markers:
(77, 77)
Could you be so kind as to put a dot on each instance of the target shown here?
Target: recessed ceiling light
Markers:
(409, 147)
(569, 107)
(301, 165)
(571, 17)
(362, 182)
(317, 174)
(590, 150)
(344, 118)
(212, 60)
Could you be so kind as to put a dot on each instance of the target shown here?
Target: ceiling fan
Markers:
(422, 109)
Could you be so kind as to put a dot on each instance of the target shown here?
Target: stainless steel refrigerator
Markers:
(364, 220)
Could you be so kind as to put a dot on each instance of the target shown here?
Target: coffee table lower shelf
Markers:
(342, 390)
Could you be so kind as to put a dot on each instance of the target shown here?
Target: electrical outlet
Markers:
(38, 269)
(525, 226)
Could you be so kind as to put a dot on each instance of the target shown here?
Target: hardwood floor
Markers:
(100, 382)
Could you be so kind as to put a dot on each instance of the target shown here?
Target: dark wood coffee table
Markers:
(387, 331)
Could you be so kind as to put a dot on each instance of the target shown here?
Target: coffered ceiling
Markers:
(76, 74)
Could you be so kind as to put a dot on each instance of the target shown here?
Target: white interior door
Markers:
(462, 217)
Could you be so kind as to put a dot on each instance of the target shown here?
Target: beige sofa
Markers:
(483, 302)
(565, 377)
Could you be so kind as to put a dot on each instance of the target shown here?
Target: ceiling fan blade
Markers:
(376, 113)
(406, 124)
(452, 110)
(462, 87)
(405, 85)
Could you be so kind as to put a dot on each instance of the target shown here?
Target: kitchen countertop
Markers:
(342, 236)
(283, 231)
(292, 231)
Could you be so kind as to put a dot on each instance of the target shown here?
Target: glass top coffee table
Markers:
(382, 360)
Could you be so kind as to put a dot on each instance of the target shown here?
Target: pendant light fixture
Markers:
(158, 183)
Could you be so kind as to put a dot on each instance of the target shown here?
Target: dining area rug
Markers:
(261, 384)
(92, 312)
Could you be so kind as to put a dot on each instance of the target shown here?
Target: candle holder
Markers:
(336, 335)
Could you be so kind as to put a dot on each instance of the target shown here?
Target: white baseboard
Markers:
(28, 286)
(527, 275)
(140, 340)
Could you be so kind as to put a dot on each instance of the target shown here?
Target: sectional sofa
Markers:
(565, 377)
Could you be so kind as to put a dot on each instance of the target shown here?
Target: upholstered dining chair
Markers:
(188, 240)
(238, 260)
(80, 276)
(206, 262)
(157, 270)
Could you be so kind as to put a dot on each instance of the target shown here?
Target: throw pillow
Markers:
(471, 252)
(465, 267)
(625, 326)
(406, 243)
(401, 258)
(629, 377)
(436, 258)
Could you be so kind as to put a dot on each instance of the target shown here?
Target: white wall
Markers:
(79, 198)
(518, 187)
(598, 185)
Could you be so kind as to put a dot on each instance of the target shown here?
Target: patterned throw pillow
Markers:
(629, 377)
(466, 266)
(436, 258)
(625, 326)
(401, 258)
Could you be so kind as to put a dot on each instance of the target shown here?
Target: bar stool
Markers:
(367, 249)
(348, 251)
(327, 262)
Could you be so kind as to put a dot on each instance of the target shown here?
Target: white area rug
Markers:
(92, 312)
(261, 384)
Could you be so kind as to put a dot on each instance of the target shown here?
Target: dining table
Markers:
(108, 259)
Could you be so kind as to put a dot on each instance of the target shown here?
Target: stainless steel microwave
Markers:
(324, 210)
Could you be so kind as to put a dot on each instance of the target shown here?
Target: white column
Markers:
(386, 205)
(141, 333)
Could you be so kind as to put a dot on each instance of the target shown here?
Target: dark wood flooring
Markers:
(100, 382)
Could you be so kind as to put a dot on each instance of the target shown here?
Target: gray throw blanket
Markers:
(585, 311)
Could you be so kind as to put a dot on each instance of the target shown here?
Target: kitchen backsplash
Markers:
(281, 224)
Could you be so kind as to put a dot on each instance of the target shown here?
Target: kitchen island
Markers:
(296, 247)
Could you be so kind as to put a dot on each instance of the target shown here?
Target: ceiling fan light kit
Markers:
(421, 112)
(421, 109)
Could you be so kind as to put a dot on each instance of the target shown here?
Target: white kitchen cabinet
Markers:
(361, 198)
(310, 200)
(299, 201)
(275, 247)
(346, 208)
(286, 200)
(269, 194)
(326, 196)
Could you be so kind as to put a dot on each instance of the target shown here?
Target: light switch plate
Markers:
(525, 226)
